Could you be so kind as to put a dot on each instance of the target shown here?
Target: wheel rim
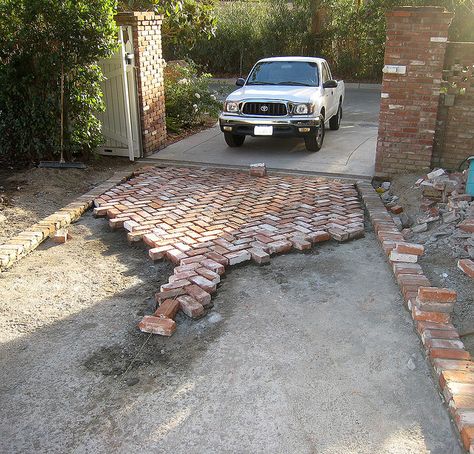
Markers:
(320, 134)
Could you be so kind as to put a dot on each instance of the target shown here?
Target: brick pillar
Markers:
(146, 27)
(415, 46)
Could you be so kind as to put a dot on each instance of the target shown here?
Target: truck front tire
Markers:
(314, 142)
(233, 140)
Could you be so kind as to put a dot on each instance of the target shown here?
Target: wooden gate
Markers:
(120, 121)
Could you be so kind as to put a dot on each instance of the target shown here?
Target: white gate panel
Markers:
(120, 121)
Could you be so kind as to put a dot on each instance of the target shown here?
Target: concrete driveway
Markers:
(350, 151)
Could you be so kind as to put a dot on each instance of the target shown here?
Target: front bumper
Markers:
(282, 126)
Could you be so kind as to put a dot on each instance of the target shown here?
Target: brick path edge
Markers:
(27, 241)
(451, 364)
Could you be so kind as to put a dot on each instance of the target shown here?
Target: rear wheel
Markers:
(335, 120)
(314, 142)
(233, 140)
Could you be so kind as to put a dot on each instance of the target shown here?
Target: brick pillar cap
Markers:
(127, 16)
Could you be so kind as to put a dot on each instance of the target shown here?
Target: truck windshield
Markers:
(285, 73)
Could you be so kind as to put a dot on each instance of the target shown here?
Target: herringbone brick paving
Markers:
(204, 220)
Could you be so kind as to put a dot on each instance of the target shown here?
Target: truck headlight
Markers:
(231, 106)
(302, 109)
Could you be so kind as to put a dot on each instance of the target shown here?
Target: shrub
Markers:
(189, 99)
(41, 43)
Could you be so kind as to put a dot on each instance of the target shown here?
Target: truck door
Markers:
(328, 92)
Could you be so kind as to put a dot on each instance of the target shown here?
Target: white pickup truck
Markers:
(284, 96)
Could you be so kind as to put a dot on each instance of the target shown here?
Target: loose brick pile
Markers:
(204, 220)
(430, 308)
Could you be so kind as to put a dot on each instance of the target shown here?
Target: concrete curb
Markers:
(170, 163)
(451, 364)
(27, 241)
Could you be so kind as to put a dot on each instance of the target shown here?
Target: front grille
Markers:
(272, 109)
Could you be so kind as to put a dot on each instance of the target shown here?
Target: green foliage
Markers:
(351, 33)
(247, 31)
(189, 99)
(39, 41)
(185, 21)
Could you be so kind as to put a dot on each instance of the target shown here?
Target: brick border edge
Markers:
(27, 241)
(451, 364)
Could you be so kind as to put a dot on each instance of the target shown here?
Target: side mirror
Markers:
(240, 82)
(330, 84)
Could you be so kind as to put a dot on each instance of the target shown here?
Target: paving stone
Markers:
(199, 294)
(467, 267)
(157, 325)
(168, 308)
(191, 307)
(435, 294)
(203, 220)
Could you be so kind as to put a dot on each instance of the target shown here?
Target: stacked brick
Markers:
(149, 63)
(454, 140)
(204, 221)
(25, 242)
(430, 308)
(416, 40)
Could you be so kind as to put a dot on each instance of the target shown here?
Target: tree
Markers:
(184, 20)
(48, 47)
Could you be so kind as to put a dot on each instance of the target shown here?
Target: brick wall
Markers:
(149, 64)
(454, 139)
(416, 40)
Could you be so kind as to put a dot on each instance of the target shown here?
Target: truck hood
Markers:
(275, 92)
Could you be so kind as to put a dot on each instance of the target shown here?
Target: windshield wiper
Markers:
(257, 82)
(291, 82)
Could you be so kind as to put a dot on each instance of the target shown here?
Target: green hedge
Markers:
(352, 36)
(41, 43)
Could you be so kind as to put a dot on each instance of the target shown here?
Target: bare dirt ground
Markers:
(304, 355)
(27, 196)
(439, 263)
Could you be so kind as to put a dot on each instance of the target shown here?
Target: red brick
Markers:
(213, 266)
(238, 257)
(449, 353)
(467, 267)
(175, 256)
(204, 283)
(467, 225)
(279, 247)
(195, 259)
(457, 376)
(300, 244)
(157, 325)
(437, 317)
(218, 258)
(431, 343)
(191, 307)
(199, 294)
(259, 256)
(397, 209)
(452, 364)
(405, 258)
(318, 237)
(174, 285)
(172, 293)
(168, 308)
(158, 253)
(435, 294)
(183, 275)
(409, 248)
(208, 274)
(467, 437)
(61, 236)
